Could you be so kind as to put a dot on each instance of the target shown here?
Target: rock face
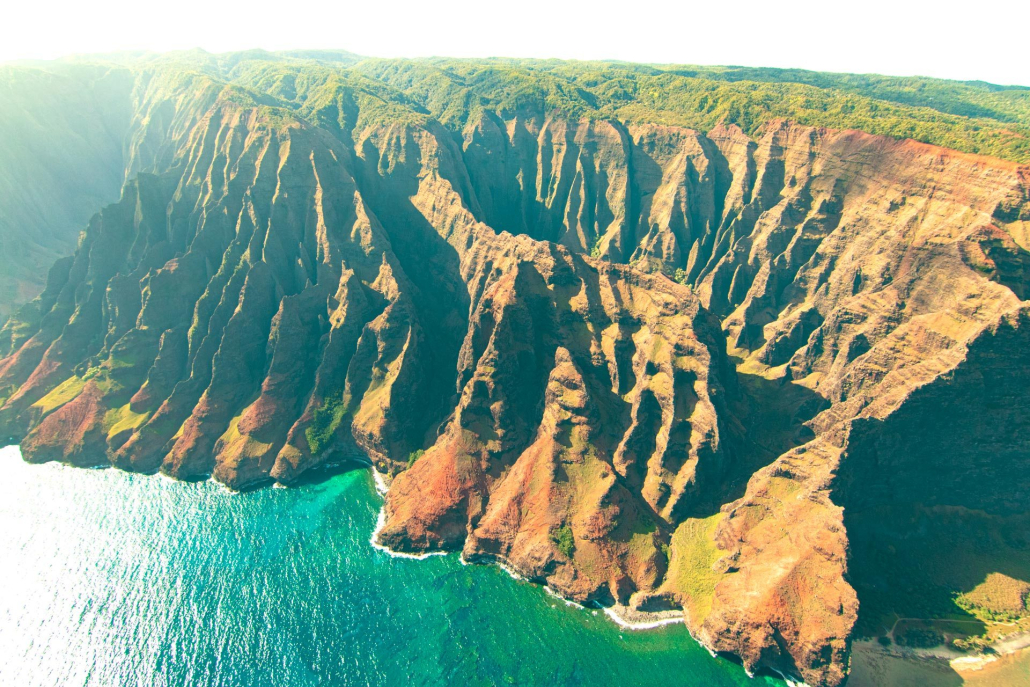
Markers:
(649, 366)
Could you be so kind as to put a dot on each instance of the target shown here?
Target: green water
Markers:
(113, 579)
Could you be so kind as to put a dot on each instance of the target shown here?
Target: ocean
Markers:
(113, 579)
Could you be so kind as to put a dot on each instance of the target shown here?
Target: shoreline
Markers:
(971, 666)
(1006, 650)
(623, 616)
(382, 486)
(632, 619)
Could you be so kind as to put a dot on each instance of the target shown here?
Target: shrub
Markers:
(565, 541)
(323, 425)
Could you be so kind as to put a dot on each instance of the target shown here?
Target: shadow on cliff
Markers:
(433, 267)
(934, 496)
(323, 473)
(871, 667)
(767, 420)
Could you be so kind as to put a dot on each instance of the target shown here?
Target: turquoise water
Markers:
(113, 579)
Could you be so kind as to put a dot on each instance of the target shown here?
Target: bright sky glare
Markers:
(974, 39)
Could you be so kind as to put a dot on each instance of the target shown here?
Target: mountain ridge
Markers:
(628, 359)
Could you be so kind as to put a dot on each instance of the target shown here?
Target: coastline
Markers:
(632, 619)
(408, 619)
(872, 663)
(382, 485)
(875, 664)
(623, 616)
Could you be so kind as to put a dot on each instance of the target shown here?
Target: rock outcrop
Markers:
(651, 367)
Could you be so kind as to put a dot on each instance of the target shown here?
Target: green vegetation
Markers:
(690, 568)
(6, 392)
(968, 116)
(324, 423)
(349, 93)
(963, 577)
(564, 540)
(123, 419)
(414, 456)
(972, 117)
(61, 394)
(90, 105)
(919, 638)
(61, 140)
(965, 98)
(101, 376)
(999, 598)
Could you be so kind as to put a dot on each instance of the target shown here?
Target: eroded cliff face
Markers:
(73, 134)
(647, 366)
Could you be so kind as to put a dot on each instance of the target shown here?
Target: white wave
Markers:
(642, 625)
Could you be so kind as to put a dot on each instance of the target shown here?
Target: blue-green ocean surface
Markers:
(113, 579)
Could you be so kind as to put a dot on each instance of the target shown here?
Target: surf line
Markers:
(612, 613)
(382, 487)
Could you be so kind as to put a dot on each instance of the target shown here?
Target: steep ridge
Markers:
(858, 267)
(524, 322)
(60, 162)
(72, 136)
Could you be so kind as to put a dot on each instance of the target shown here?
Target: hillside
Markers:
(715, 360)
(59, 116)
